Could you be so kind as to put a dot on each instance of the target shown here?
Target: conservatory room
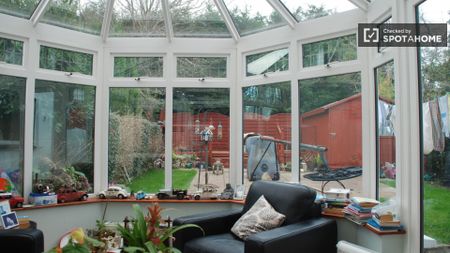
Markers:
(225, 126)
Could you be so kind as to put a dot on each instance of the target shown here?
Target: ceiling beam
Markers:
(362, 4)
(285, 13)
(107, 20)
(167, 20)
(227, 18)
(39, 12)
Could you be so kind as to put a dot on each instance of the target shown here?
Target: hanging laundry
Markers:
(438, 135)
(427, 129)
(443, 107)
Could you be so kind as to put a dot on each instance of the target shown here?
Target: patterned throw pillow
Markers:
(261, 217)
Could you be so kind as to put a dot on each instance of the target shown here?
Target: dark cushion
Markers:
(222, 243)
(30, 240)
(293, 200)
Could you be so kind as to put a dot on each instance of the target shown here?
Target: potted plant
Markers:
(147, 236)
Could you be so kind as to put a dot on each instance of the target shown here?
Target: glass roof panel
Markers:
(310, 9)
(251, 16)
(197, 18)
(79, 15)
(137, 18)
(23, 9)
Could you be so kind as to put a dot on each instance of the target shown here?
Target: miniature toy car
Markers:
(207, 192)
(140, 195)
(14, 201)
(68, 195)
(171, 194)
(114, 192)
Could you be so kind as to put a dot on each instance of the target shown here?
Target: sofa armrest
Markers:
(312, 235)
(212, 223)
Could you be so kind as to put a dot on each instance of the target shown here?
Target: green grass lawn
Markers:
(153, 180)
(437, 212)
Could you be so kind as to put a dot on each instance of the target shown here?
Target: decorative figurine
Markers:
(140, 195)
(114, 192)
(227, 193)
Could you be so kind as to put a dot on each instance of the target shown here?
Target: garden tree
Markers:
(385, 81)
(276, 96)
(321, 91)
(197, 100)
(312, 12)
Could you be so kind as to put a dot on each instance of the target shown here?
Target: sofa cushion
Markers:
(261, 217)
(221, 243)
(293, 200)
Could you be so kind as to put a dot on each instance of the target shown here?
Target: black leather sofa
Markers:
(304, 231)
(30, 240)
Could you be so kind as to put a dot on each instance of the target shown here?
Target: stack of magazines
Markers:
(360, 210)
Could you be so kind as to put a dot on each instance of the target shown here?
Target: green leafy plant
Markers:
(78, 243)
(146, 235)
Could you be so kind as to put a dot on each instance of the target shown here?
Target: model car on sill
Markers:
(69, 195)
(172, 194)
(207, 192)
(14, 201)
(114, 192)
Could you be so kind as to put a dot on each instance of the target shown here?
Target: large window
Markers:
(267, 132)
(201, 139)
(385, 105)
(328, 51)
(12, 117)
(136, 138)
(11, 51)
(202, 67)
(65, 60)
(434, 69)
(331, 131)
(63, 153)
(271, 61)
(138, 66)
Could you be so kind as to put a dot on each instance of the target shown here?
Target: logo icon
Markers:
(371, 34)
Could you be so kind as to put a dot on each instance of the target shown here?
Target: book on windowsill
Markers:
(365, 202)
(392, 223)
(383, 229)
(354, 219)
(333, 211)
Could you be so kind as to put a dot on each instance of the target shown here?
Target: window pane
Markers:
(267, 112)
(271, 61)
(12, 121)
(135, 18)
(330, 118)
(198, 67)
(304, 10)
(327, 51)
(387, 21)
(63, 154)
(65, 60)
(23, 9)
(384, 81)
(251, 16)
(434, 70)
(79, 15)
(138, 66)
(136, 138)
(201, 139)
(197, 18)
(11, 51)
